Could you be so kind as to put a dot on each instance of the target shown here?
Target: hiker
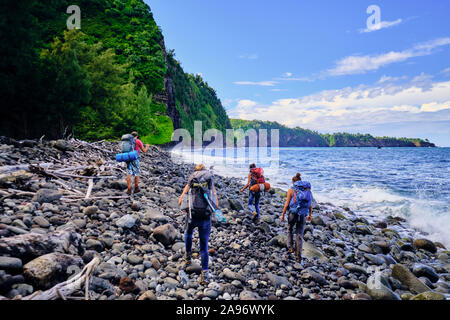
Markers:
(199, 214)
(254, 177)
(131, 142)
(299, 203)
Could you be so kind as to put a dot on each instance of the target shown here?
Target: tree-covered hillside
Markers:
(195, 100)
(298, 137)
(99, 82)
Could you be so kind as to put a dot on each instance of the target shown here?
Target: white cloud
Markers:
(417, 100)
(256, 83)
(446, 72)
(382, 25)
(303, 79)
(252, 56)
(433, 106)
(245, 103)
(287, 74)
(362, 64)
(385, 78)
(278, 90)
(227, 102)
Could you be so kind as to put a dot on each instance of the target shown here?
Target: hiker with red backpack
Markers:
(255, 177)
(130, 148)
(299, 202)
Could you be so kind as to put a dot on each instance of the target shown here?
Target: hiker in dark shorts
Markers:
(133, 166)
(299, 203)
(253, 197)
(199, 216)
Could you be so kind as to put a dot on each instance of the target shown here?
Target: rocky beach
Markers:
(65, 219)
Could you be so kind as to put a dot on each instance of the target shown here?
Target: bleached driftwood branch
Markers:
(66, 288)
(89, 190)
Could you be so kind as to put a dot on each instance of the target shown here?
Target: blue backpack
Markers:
(302, 198)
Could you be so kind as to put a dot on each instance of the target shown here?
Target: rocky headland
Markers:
(63, 206)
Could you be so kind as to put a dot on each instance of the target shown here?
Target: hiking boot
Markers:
(298, 259)
(254, 215)
(290, 251)
(129, 192)
(137, 190)
(187, 259)
(204, 277)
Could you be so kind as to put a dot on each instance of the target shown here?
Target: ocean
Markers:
(413, 183)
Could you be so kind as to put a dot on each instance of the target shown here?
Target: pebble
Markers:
(10, 263)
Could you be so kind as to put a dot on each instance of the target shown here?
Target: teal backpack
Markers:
(128, 143)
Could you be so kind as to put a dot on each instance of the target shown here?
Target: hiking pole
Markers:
(189, 204)
(217, 211)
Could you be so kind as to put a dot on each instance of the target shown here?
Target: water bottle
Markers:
(220, 217)
(183, 276)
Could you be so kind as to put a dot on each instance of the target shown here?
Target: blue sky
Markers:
(319, 64)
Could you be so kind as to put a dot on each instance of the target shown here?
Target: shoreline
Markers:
(139, 239)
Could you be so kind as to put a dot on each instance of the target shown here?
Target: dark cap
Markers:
(134, 134)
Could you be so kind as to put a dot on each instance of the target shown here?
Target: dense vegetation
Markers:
(195, 100)
(98, 82)
(298, 137)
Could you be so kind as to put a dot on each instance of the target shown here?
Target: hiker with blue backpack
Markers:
(202, 202)
(299, 203)
(130, 154)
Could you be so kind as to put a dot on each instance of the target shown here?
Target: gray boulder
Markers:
(406, 277)
(429, 295)
(127, 221)
(236, 204)
(61, 145)
(425, 244)
(249, 295)
(378, 288)
(47, 196)
(49, 269)
(277, 281)
(9, 263)
(155, 215)
(421, 270)
(166, 234)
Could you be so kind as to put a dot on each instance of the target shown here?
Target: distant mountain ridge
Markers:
(299, 137)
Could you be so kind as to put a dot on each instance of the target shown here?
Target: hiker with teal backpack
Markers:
(201, 192)
(299, 202)
(130, 154)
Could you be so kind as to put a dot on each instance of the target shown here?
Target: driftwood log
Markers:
(66, 288)
(33, 245)
(26, 167)
(89, 190)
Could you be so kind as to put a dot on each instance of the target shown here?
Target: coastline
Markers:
(389, 225)
(139, 239)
